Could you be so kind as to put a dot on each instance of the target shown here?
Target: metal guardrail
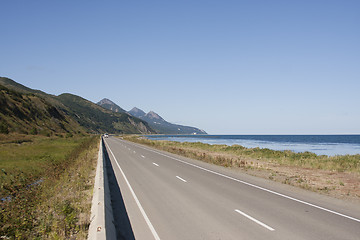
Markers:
(102, 219)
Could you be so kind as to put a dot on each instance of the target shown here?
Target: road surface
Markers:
(171, 197)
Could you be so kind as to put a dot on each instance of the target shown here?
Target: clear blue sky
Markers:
(228, 67)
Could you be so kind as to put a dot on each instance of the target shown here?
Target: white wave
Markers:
(330, 149)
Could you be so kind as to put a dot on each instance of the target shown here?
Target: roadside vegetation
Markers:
(338, 176)
(46, 186)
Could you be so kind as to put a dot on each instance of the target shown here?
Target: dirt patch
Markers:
(340, 185)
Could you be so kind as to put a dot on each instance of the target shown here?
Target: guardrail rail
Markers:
(102, 219)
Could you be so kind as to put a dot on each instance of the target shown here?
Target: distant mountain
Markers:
(154, 120)
(137, 112)
(108, 104)
(152, 116)
(24, 110)
(99, 119)
(161, 126)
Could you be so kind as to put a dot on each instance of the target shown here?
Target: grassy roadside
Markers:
(46, 186)
(337, 176)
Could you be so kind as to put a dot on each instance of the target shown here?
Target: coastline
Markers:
(329, 145)
(336, 176)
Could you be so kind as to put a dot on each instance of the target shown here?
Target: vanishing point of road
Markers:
(166, 196)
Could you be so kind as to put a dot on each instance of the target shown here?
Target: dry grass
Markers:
(337, 176)
(47, 184)
(65, 211)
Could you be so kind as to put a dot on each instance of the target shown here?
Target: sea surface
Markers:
(330, 145)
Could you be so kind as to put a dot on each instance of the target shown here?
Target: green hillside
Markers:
(98, 119)
(9, 83)
(25, 110)
(28, 113)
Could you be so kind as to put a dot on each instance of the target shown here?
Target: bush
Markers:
(4, 128)
(33, 131)
(69, 135)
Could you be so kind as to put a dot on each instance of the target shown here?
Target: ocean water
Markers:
(330, 145)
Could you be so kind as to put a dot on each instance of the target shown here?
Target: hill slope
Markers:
(11, 84)
(23, 106)
(31, 114)
(99, 119)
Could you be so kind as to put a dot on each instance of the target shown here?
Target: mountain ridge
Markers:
(108, 104)
(162, 126)
(156, 122)
(154, 116)
(136, 112)
(27, 113)
(26, 110)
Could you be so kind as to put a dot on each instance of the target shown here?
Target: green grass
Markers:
(30, 160)
(55, 208)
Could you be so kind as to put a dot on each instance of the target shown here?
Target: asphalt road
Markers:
(171, 197)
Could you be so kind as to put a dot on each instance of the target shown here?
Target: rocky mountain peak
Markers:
(106, 101)
(136, 112)
(160, 125)
(154, 115)
(108, 104)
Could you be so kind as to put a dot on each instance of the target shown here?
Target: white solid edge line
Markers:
(156, 164)
(181, 179)
(255, 186)
(152, 229)
(255, 220)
